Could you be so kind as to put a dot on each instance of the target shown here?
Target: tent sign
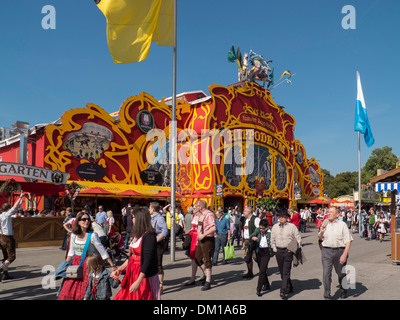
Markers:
(56, 177)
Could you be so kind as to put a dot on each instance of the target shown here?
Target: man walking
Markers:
(7, 241)
(336, 241)
(222, 237)
(251, 223)
(205, 241)
(282, 234)
(160, 225)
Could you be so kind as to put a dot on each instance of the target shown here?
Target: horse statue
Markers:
(260, 69)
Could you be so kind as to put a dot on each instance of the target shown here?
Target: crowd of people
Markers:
(204, 234)
(369, 224)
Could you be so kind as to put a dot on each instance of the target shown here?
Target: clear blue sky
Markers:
(46, 72)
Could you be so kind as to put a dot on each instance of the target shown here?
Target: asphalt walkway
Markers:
(373, 275)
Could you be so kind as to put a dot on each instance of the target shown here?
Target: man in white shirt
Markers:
(7, 241)
(303, 222)
(236, 230)
(250, 225)
(336, 241)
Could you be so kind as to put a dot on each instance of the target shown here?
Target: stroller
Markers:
(116, 246)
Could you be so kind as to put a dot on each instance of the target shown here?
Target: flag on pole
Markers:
(286, 72)
(361, 123)
(133, 24)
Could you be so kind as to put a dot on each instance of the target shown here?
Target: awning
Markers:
(115, 189)
(40, 188)
(387, 186)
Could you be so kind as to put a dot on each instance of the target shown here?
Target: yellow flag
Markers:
(286, 72)
(133, 24)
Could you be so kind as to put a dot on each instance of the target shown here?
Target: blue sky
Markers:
(46, 72)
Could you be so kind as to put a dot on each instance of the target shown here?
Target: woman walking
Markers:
(141, 279)
(193, 245)
(75, 289)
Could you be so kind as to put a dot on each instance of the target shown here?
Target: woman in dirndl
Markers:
(193, 245)
(141, 280)
(382, 226)
(75, 289)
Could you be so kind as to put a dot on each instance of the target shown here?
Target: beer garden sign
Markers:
(56, 177)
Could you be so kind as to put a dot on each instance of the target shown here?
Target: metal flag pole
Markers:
(359, 171)
(359, 174)
(173, 146)
(281, 81)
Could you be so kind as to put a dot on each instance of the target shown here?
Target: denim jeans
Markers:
(220, 242)
(236, 234)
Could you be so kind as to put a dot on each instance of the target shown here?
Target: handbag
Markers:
(229, 252)
(76, 271)
(187, 242)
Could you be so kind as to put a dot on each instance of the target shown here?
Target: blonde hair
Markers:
(95, 263)
(109, 213)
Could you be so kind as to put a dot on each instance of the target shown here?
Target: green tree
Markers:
(381, 158)
(328, 178)
(341, 184)
(268, 203)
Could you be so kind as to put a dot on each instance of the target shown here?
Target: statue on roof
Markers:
(260, 69)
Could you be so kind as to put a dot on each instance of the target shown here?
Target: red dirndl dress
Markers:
(132, 273)
(75, 289)
(193, 234)
(111, 226)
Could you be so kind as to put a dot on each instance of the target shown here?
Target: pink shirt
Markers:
(206, 221)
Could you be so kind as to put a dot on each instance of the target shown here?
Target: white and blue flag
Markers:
(361, 122)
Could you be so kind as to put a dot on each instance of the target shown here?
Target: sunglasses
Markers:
(84, 219)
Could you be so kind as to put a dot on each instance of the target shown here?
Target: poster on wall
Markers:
(219, 190)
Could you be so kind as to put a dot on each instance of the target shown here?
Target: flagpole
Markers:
(359, 174)
(173, 144)
(359, 163)
(280, 82)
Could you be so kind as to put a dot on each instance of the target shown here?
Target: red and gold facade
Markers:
(238, 138)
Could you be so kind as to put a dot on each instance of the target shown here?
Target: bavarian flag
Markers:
(361, 122)
(133, 24)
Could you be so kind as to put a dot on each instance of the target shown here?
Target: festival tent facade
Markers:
(234, 147)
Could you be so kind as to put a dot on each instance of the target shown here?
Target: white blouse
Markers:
(94, 240)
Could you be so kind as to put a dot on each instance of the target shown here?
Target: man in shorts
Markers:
(7, 241)
(205, 241)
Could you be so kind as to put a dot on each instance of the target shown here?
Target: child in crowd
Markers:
(100, 282)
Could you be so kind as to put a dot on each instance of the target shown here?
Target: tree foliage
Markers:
(268, 203)
(381, 158)
(345, 182)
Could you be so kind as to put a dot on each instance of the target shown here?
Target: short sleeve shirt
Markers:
(336, 235)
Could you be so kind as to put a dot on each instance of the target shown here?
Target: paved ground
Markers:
(376, 278)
